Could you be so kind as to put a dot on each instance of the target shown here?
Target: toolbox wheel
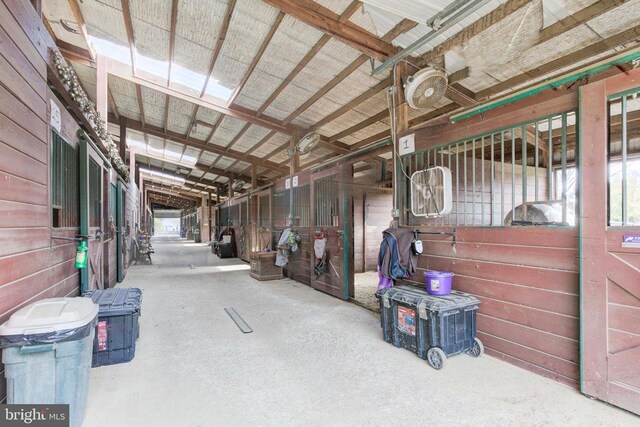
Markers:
(436, 358)
(477, 350)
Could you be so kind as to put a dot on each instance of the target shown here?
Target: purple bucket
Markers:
(438, 282)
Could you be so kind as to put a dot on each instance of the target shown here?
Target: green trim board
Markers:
(83, 182)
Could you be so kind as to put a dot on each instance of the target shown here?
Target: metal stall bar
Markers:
(536, 162)
(482, 181)
(491, 184)
(550, 160)
(564, 167)
(502, 178)
(473, 182)
(623, 116)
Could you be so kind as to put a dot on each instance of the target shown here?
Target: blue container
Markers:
(118, 325)
(438, 282)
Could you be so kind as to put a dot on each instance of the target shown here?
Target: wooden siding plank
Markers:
(22, 115)
(555, 280)
(14, 21)
(21, 89)
(15, 293)
(21, 265)
(21, 165)
(31, 75)
(21, 140)
(16, 189)
(23, 215)
(19, 240)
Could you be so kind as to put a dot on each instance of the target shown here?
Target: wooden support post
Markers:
(123, 138)
(231, 192)
(254, 176)
(132, 163)
(210, 205)
(204, 223)
(295, 157)
(102, 88)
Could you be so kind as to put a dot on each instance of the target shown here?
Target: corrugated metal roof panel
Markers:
(154, 102)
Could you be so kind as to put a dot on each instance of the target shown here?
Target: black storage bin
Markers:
(433, 327)
(118, 325)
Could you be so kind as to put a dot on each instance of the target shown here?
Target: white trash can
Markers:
(46, 350)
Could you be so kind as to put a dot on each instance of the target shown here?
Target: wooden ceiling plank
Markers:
(140, 104)
(219, 42)
(257, 58)
(77, 15)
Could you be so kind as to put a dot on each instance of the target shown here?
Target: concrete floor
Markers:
(311, 360)
(365, 287)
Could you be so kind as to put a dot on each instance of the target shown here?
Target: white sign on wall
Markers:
(55, 119)
(295, 181)
(407, 144)
(287, 183)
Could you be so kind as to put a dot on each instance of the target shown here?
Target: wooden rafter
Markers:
(580, 17)
(194, 185)
(192, 120)
(128, 25)
(257, 57)
(353, 103)
(199, 144)
(140, 104)
(215, 128)
(490, 19)
(165, 122)
(261, 142)
(77, 15)
(402, 27)
(349, 11)
(172, 37)
(236, 138)
(363, 124)
(325, 20)
(302, 64)
(219, 42)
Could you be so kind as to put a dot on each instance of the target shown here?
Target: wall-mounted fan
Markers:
(425, 88)
(306, 144)
(238, 184)
(431, 192)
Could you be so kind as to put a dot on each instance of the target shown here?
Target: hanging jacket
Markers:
(396, 258)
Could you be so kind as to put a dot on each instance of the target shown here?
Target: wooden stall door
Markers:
(332, 215)
(92, 167)
(610, 315)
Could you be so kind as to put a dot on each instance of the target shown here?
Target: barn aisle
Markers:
(311, 360)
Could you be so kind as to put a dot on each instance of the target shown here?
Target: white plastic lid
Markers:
(50, 315)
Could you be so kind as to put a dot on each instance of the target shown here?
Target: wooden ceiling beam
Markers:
(140, 104)
(215, 127)
(580, 17)
(128, 26)
(490, 19)
(349, 11)
(219, 42)
(77, 15)
(170, 191)
(189, 182)
(327, 21)
(172, 37)
(257, 57)
(233, 111)
(199, 144)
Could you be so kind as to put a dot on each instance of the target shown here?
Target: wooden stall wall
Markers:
(526, 277)
(371, 216)
(32, 265)
(299, 267)
(131, 223)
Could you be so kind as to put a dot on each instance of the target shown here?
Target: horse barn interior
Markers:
(187, 147)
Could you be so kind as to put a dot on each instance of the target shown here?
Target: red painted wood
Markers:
(610, 292)
(22, 115)
(16, 163)
(21, 265)
(23, 215)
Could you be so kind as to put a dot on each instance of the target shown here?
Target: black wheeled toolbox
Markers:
(118, 325)
(433, 327)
